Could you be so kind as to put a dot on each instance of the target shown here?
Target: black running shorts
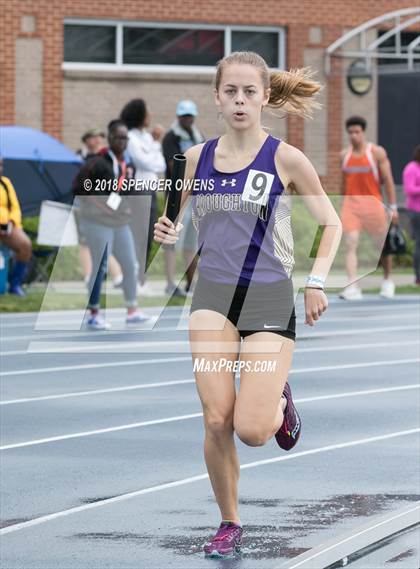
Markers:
(255, 308)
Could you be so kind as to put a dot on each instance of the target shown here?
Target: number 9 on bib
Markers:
(257, 187)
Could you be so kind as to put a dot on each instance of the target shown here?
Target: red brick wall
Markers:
(332, 15)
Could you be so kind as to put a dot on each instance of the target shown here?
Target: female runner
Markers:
(244, 289)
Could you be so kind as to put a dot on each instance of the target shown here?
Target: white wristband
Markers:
(393, 206)
(314, 280)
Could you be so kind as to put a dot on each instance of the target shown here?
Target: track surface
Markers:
(100, 494)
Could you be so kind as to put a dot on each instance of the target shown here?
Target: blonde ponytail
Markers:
(292, 90)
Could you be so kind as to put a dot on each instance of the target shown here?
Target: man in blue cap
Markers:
(182, 135)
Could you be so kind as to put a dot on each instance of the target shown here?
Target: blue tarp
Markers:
(39, 166)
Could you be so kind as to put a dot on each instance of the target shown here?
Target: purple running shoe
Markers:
(227, 541)
(288, 434)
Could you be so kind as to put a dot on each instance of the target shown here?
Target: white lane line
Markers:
(191, 479)
(98, 365)
(304, 350)
(102, 431)
(146, 346)
(356, 346)
(322, 550)
(98, 391)
(332, 316)
(139, 362)
(123, 331)
(336, 305)
(194, 416)
(357, 393)
(119, 318)
(353, 366)
(93, 366)
(114, 389)
(165, 360)
(128, 347)
(76, 311)
(67, 334)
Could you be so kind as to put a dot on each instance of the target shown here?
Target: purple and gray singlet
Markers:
(243, 220)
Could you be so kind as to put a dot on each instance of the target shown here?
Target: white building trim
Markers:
(398, 21)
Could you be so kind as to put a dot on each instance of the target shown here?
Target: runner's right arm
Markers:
(165, 230)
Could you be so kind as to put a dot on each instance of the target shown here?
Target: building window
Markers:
(168, 45)
(172, 46)
(89, 44)
(389, 47)
(265, 44)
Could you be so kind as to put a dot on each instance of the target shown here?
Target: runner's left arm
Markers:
(297, 172)
(302, 177)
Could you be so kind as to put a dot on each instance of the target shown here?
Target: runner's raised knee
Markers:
(254, 437)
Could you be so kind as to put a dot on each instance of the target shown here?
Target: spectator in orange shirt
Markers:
(365, 167)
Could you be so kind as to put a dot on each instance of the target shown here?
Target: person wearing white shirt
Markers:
(145, 151)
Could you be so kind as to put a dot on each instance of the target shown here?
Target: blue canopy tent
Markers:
(39, 166)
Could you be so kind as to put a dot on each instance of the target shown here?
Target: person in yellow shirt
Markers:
(12, 234)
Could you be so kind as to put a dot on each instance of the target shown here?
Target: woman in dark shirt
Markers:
(104, 219)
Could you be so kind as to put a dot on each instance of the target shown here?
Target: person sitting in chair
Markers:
(12, 234)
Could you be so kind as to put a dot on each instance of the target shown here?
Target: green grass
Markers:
(306, 234)
(33, 302)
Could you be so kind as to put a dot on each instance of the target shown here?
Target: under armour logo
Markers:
(232, 182)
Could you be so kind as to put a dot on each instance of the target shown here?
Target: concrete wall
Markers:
(365, 105)
(316, 129)
(93, 99)
(28, 82)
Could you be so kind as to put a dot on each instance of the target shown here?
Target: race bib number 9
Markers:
(257, 187)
